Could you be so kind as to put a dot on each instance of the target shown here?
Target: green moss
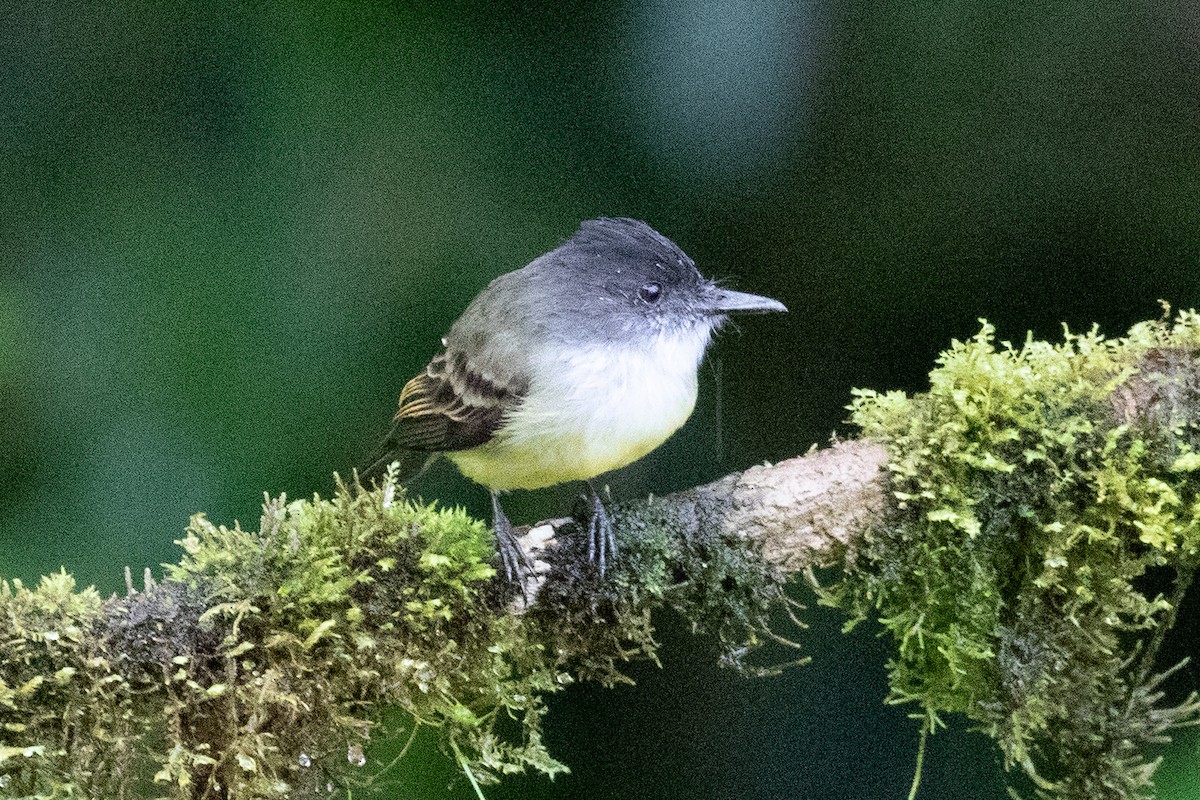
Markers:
(1034, 488)
(335, 610)
(65, 714)
(265, 661)
(271, 655)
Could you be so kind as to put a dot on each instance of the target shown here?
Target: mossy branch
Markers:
(806, 512)
(1001, 527)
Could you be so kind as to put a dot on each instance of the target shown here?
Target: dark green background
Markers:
(229, 234)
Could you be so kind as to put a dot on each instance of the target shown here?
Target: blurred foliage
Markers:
(1179, 775)
(1036, 489)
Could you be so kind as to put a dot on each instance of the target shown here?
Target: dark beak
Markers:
(725, 301)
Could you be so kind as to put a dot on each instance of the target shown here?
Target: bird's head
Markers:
(618, 279)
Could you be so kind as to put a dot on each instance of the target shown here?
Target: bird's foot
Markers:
(602, 544)
(513, 561)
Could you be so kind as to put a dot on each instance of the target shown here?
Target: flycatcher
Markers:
(581, 362)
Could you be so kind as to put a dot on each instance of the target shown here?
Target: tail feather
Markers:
(411, 463)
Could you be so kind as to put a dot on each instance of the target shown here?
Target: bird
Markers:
(579, 363)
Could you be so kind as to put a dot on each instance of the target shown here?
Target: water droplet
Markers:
(5, 780)
(305, 761)
(355, 755)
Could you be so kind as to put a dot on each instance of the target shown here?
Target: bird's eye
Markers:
(651, 292)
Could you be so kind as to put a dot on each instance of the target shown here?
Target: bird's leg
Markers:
(602, 545)
(512, 557)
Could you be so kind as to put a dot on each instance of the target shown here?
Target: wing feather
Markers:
(449, 406)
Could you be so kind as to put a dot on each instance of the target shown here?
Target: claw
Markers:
(602, 544)
(517, 566)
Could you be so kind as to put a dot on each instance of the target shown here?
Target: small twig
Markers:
(1184, 573)
(916, 781)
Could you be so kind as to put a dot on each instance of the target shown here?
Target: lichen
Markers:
(1035, 487)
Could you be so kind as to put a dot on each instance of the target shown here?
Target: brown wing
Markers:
(449, 406)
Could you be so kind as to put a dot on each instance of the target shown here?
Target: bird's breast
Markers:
(590, 410)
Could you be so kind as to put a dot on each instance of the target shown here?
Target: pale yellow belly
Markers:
(544, 461)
